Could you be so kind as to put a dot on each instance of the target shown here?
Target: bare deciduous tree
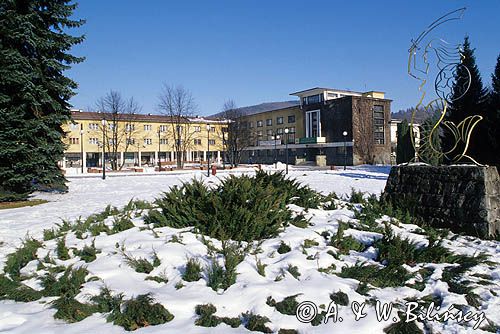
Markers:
(120, 115)
(237, 135)
(363, 137)
(178, 104)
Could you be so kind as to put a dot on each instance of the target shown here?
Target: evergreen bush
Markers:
(192, 273)
(139, 312)
(17, 260)
(240, 208)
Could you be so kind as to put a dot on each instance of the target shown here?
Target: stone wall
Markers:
(463, 198)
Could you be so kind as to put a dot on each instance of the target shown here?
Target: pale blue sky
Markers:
(261, 51)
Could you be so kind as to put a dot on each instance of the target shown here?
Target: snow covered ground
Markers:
(251, 290)
(92, 194)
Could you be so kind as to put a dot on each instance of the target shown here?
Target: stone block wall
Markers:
(463, 198)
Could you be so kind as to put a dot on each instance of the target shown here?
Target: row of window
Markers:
(147, 127)
(378, 124)
(269, 121)
(210, 141)
(319, 98)
(131, 141)
(279, 131)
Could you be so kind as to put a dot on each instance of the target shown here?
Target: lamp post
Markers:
(208, 150)
(275, 138)
(345, 149)
(286, 149)
(224, 149)
(159, 149)
(81, 145)
(103, 122)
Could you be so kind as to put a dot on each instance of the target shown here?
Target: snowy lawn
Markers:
(303, 263)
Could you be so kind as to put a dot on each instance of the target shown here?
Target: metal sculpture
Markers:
(449, 86)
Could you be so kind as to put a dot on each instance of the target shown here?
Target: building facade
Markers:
(139, 140)
(327, 127)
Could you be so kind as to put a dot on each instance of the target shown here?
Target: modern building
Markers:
(139, 140)
(325, 127)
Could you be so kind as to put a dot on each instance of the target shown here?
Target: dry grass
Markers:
(20, 204)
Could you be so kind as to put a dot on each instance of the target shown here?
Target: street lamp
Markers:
(275, 138)
(224, 149)
(208, 151)
(345, 149)
(286, 149)
(81, 145)
(103, 122)
(159, 150)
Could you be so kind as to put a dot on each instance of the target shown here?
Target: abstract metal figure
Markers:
(449, 59)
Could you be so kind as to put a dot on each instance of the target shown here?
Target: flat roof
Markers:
(323, 88)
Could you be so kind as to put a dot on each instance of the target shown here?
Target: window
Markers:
(378, 112)
(279, 120)
(74, 126)
(269, 133)
(259, 133)
(178, 128)
(74, 141)
(313, 124)
(93, 141)
(291, 129)
(211, 141)
(111, 126)
(148, 141)
(378, 124)
(212, 129)
(130, 141)
(291, 119)
(147, 127)
(130, 127)
(224, 129)
(269, 122)
(163, 128)
(250, 125)
(197, 129)
(313, 99)
(197, 141)
(279, 131)
(93, 126)
(163, 141)
(260, 124)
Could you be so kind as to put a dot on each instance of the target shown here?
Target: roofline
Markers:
(324, 88)
(272, 110)
(156, 118)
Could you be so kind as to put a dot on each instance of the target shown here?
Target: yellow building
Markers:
(140, 140)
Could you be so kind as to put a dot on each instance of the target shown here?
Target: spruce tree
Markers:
(494, 109)
(34, 93)
(473, 102)
(427, 153)
(404, 149)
